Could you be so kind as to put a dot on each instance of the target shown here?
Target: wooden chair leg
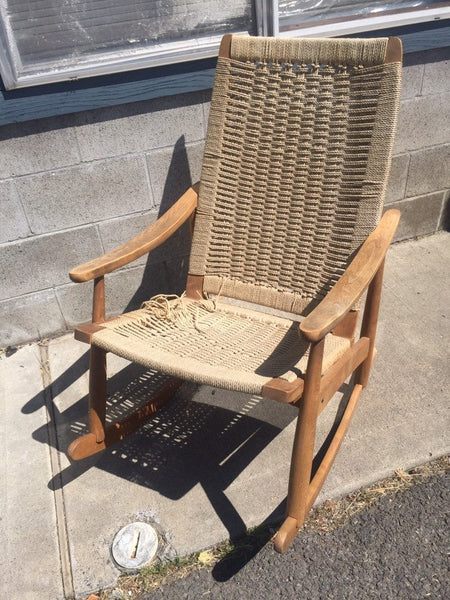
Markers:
(303, 490)
(97, 393)
(94, 441)
(369, 325)
(327, 461)
(303, 452)
(311, 489)
(100, 437)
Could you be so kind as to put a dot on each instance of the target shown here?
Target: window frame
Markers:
(153, 55)
(396, 18)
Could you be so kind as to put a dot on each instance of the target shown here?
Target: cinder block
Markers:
(140, 126)
(412, 74)
(173, 170)
(429, 171)
(444, 222)
(36, 146)
(206, 108)
(75, 300)
(397, 178)
(125, 290)
(85, 193)
(420, 216)
(436, 77)
(116, 232)
(30, 317)
(42, 262)
(13, 224)
(423, 121)
(177, 271)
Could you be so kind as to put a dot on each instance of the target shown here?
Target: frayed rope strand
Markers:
(178, 310)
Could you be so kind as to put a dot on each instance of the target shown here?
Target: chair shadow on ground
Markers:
(188, 442)
(207, 440)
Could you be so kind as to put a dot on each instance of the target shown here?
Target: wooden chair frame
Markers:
(334, 314)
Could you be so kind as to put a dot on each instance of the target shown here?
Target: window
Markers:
(51, 40)
(340, 17)
(42, 41)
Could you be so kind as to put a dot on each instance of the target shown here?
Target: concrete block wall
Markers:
(76, 186)
(420, 174)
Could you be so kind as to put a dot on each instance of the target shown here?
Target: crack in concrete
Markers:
(56, 468)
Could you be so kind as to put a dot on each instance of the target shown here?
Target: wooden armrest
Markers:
(350, 287)
(147, 240)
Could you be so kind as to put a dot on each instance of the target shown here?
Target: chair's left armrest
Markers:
(356, 278)
(146, 241)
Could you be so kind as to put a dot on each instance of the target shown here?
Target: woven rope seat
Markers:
(216, 344)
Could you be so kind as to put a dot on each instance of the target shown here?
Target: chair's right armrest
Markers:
(355, 280)
(147, 240)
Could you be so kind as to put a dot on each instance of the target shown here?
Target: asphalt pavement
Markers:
(396, 548)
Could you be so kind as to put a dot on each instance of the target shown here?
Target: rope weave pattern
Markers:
(334, 51)
(291, 184)
(220, 345)
(299, 143)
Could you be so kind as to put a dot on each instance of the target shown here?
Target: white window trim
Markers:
(357, 25)
(156, 55)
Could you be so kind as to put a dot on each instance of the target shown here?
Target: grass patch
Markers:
(336, 513)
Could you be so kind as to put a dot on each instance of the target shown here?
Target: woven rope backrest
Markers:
(295, 167)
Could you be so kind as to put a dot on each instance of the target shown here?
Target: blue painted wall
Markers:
(97, 92)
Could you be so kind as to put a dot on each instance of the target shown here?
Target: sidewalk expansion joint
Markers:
(56, 468)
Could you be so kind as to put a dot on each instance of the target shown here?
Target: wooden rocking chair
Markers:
(287, 216)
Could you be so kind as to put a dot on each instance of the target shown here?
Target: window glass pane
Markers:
(62, 33)
(306, 12)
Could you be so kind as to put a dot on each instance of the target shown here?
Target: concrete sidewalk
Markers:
(211, 463)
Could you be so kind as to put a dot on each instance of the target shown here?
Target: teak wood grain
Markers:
(303, 450)
(346, 328)
(150, 238)
(98, 300)
(194, 287)
(225, 46)
(97, 392)
(327, 461)
(394, 50)
(335, 376)
(84, 333)
(369, 324)
(287, 392)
